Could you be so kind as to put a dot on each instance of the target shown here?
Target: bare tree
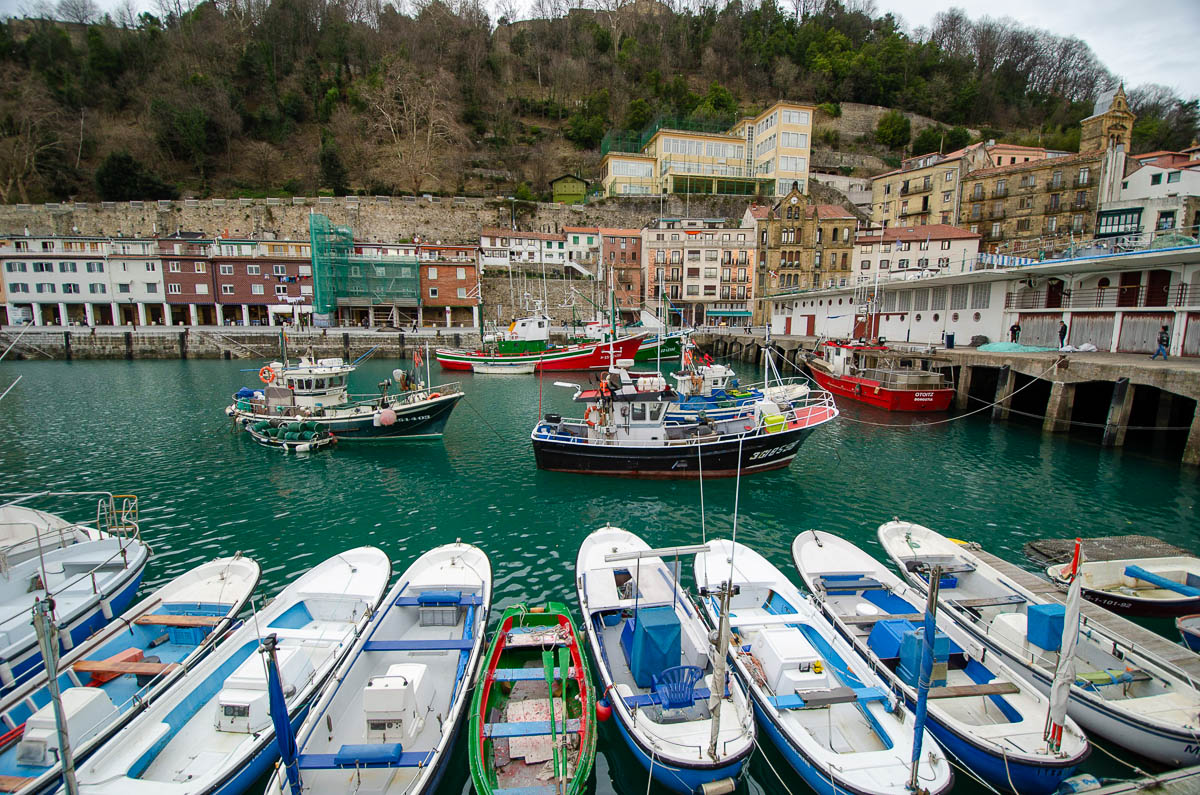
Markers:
(412, 120)
(28, 133)
(81, 11)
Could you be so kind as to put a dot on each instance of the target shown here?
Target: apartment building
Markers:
(450, 289)
(620, 251)
(901, 252)
(261, 283)
(758, 155)
(1154, 199)
(535, 251)
(583, 247)
(701, 267)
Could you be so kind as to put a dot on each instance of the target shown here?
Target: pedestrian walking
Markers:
(1164, 339)
(1062, 333)
(1014, 332)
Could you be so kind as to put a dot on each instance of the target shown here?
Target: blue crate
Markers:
(1045, 625)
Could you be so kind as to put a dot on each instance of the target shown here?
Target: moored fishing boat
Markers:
(624, 432)
(533, 716)
(121, 669)
(663, 345)
(827, 712)
(503, 368)
(315, 391)
(291, 437)
(982, 712)
(89, 582)
(708, 390)
(1148, 587)
(652, 657)
(1189, 629)
(394, 706)
(527, 341)
(213, 732)
(1121, 691)
(880, 376)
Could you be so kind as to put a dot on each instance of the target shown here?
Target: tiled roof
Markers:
(618, 232)
(1159, 153)
(829, 212)
(589, 230)
(1033, 165)
(759, 212)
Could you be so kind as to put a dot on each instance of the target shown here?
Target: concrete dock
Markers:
(1173, 653)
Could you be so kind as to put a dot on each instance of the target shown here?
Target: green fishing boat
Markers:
(533, 716)
(671, 347)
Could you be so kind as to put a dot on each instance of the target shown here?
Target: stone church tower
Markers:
(1111, 123)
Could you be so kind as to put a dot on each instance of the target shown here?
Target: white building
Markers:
(536, 251)
(1154, 199)
(913, 251)
(583, 247)
(1117, 302)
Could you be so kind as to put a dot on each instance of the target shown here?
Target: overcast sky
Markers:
(1155, 43)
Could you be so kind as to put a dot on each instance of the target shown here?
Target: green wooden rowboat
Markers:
(533, 715)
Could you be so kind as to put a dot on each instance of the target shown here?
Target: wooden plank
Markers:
(165, 620)
(1048, 551)
(963, 691)
(106, 667)
(871, 620)
(14, 783)
(989, 601)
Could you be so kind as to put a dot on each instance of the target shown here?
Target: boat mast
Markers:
(48, 641)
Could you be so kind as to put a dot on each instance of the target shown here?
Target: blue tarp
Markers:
(653, 644)
(245, 393)
(1138, 573)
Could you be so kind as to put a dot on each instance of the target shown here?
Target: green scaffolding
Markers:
(340, 275)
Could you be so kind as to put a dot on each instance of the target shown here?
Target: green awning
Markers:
(727, 312)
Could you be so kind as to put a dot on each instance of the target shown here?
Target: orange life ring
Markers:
(266, 375)
(587, 416)
(433, 395)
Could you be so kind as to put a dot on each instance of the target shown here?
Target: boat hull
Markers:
(663, 348)
(1190, 632)
(722, 458)
(1143, 608)
(681, 779)
(594, 356)
(422, 420)
(870, 392)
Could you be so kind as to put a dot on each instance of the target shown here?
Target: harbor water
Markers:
(157, 429)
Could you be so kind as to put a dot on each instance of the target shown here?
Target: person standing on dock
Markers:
(1014, 332)
(1164, 339)
(1062, 333)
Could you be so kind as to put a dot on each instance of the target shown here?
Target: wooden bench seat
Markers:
(168, 620)
(14, 783)
(989, 601)
(870, 620)
(963, 691)
(121, 668)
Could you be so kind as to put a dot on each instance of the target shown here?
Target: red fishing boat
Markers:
(880, 376)
(527, 342)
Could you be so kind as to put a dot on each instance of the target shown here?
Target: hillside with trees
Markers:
(262, 97)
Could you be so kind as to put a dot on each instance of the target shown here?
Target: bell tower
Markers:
(1111, 123)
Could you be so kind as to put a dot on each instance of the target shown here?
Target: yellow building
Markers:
(760, 155)
(1111, 123)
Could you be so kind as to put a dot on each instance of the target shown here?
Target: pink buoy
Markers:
(387, 417)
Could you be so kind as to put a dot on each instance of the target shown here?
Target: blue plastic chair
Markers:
(674, 686)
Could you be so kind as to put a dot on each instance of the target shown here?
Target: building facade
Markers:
(1154, 200)
(519, 250)
(621, 251)
(701, 268)
(450, 288)
(568, 189)
(262, 283)
(759, 155)
(913, 252)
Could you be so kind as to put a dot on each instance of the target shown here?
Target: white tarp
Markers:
(1064, 676)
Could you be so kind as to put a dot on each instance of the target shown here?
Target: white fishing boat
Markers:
(503, 368)
(1164, 587)
(655, 661)
(1121, 692)
(982, 712)
(27, 531)
(392, 712)
(120, 670)
(213, 732)
(828, 713)
(89, 581)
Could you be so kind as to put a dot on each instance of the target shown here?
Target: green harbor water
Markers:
(157, 429)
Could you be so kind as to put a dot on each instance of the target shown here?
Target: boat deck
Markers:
(1173, 653)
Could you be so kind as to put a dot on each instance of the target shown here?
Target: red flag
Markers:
(417, 358)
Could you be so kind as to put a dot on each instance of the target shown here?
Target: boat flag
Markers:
(284, 737)
(1064, 674)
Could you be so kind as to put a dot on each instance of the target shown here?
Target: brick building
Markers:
(620, 251)
(701, 267)
(262, 283)
(450, 291)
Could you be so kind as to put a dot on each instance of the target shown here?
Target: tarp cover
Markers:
(656, 643)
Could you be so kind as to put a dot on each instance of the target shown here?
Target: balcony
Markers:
(908, 190)
(1142, 297)
(1086, 204)
(1031, 185)
(977, 196)
(1082, 182)
(1055, 184)
(1051, 208)
(999, 193)
(994, 213)
(988, 234)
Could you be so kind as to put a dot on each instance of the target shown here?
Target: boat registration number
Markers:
(922, 396)
(774, 451)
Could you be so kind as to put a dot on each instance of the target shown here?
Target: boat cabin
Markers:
(890, 368)
(707, 379)
(310, 384)
(524, 335)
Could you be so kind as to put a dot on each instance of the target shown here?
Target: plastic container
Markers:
(949, 340)
(1045, 625)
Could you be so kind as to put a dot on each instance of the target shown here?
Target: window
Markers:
(792, 163)
(226, 289)
(461, 292)
(14, 267)
(256, 289)
(1051, 224)
(949, 176)
(958, 296)
(921, 300)
(281, 291)
(201, 267)
(226, 269)
(279, 270)
(124, 288)
(201, 289)
(100, 289)
(44, 287)
(462, 274)
(884, 264)
(1084, 174)
(253, 270)
(793, 117)
(18, 287)
(433, 273)
(937, 300)
(996, 229)
(151, 267)
(67, 267)
(151, 287)
(43, 267)
(981, 296)
(173, 266)
(95, 267)
(924, 245)
(904, 303)
(1173, 176)
(693, 289)
(865, 265)
(433, 292)
(794, 140)
(903, 264)
(69, 289)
